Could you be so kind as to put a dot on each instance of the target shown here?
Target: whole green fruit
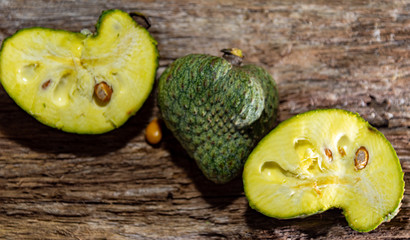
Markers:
(217, 109)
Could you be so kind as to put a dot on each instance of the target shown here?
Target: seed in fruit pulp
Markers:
(329, 154)
(342, 151)
(103, 92)
(46, 84)
(361, 159)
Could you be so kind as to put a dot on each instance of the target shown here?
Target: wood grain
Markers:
(323, 54)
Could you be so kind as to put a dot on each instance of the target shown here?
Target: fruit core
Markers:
(312, 165)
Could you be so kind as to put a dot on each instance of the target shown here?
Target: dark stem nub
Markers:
(141, 19)
(233, 55)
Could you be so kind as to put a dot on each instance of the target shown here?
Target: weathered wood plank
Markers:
(352, 55)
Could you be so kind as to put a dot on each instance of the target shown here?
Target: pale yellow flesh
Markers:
(122, 54)
(289, 174)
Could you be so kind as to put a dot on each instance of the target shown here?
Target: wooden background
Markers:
(323, 54)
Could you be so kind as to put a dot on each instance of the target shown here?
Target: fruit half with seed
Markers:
(325, 159)
(81, 82)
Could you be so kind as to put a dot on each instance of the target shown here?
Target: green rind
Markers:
(80, 35)
(200, 97)
(386, 218)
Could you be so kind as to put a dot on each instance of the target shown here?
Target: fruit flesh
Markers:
(51, 74)
(291, 174)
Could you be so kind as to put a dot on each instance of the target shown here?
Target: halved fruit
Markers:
(323, 159)
(81, 83)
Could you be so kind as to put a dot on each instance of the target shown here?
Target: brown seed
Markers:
(103, 92)
(46, 84)
(153, 133)
(341, 151)
(329, 154)
(361, 159)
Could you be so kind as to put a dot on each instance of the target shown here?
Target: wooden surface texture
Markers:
(323, 54)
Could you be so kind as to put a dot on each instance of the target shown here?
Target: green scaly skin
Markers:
(217, 111)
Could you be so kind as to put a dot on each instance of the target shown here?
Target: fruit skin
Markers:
(101, 122)
(218, 111)
(395, 161)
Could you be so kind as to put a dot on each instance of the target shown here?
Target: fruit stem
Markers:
(141, 19)
(233, 55)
